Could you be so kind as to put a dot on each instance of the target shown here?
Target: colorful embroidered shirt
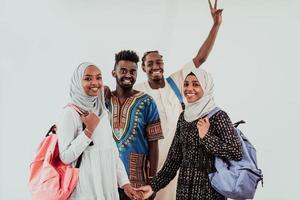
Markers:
(134, 124)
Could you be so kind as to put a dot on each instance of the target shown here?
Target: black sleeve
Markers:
(227, 144)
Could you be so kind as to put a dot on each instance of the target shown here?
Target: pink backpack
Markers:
(50, 178)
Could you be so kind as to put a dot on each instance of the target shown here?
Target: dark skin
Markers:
(125, 73)
(154, 68)
(154, 61)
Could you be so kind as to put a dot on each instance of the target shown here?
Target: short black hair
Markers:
(147, 53)
(128, 55)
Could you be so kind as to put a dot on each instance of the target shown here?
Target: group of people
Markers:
(136, 138)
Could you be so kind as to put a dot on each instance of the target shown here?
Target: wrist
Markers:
(125, 186)
(217, 24)
(88, 132)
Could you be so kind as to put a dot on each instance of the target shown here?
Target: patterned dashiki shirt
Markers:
(134, 124)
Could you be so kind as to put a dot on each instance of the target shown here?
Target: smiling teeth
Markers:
(156, 73)
(94, 89)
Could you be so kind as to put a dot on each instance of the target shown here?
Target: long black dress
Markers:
(195, 157)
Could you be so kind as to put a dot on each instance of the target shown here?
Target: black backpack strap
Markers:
(236, 124)
(52, 130)
(78, 163)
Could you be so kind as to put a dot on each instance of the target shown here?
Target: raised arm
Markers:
(209, 42)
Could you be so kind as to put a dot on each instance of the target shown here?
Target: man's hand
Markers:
(132, 193)
(147, 191)
(107, 93)
(215, 12)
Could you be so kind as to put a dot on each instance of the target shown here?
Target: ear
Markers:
(114, 73)
(143, 67)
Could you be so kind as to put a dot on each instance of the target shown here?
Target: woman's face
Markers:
(92, 81)
(192, 89)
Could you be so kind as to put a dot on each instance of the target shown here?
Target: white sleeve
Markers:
(179, 76)
(122, 176)
(70, 147)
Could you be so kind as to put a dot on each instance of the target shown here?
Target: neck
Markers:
(156, 84)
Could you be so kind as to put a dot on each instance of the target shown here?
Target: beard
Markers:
(120, 83)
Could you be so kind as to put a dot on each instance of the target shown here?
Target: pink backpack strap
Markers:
(78, 110)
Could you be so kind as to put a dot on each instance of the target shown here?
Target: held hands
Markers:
(91, 121)
(203, 126)
(132, 193)
(215, 12)
(147, 191)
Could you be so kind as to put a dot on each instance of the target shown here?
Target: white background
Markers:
(254, 64)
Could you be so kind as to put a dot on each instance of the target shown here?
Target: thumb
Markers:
(206, 119)
(142, 188)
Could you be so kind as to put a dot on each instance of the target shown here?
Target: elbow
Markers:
(199, 61)
(64, 159)
(202, 59)
(238, 157)
(238, 154)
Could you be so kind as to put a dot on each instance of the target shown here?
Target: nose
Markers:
(95, 82)
(156, 65)
(189, 87)
(128, 75)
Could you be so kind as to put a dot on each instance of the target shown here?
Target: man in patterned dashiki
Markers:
(135, 122)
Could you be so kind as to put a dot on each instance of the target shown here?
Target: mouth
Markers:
(156, 72)
(190, 95)
(126, 81)
(95, 89)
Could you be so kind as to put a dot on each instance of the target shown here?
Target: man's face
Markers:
(154, 66)
(125, 73)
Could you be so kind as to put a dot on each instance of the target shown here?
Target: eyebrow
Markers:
(159, 59)
(93, 75)
(124, 68)
(192, 81)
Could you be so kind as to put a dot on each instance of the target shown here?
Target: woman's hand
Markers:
(132, 193)
(215, 12)
(91, 120)
(147, 191)
(203, 126)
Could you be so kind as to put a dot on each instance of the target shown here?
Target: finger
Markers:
(139, 188)
(210, 6)
(219, 11)
(202, 121)
(85, 114)
(199, 123)
(216, 4)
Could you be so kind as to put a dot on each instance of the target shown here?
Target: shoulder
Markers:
(220, 116)
(140, 86)
(144, 96)
(69, 113)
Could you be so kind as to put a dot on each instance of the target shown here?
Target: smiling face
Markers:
(92, 81)
(192, 89)
(153, 65)
(125, 73)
